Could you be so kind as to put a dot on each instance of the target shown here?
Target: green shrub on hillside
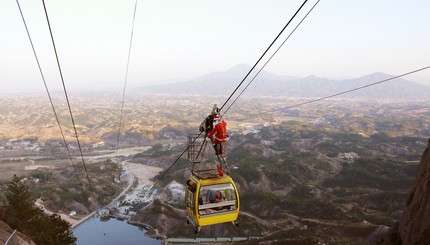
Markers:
(387, 202)
(373, 174)
(268, 205)
(249, 172)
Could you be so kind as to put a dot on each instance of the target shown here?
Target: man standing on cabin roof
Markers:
(219, 137)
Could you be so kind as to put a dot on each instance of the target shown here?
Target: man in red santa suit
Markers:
(219, 137)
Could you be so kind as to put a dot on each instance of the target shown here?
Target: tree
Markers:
(21, 213)
(52, 230)
(20, 203)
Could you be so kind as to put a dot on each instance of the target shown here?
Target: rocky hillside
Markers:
(171, 221)
(298, 183)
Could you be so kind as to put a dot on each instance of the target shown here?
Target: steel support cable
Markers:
(125, 80)
(49, 95)
(276, 38)
(276, 51)
(68, 103)
(350, 90)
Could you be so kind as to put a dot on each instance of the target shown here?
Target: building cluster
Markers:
(139, 197)
(177, 191)
(19, 145)
(22, 145)
(349, 156)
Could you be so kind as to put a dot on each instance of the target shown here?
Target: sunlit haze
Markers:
(179, 40)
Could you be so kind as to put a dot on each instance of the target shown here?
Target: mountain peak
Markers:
(240, 68)
(376, 76)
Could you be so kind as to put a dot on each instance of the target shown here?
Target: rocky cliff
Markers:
(414, 227)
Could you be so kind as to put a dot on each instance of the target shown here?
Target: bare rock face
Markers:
(6, 232)
(414, 227)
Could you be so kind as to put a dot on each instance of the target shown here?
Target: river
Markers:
(111, 232)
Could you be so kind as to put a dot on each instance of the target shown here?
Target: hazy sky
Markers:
(179, 40)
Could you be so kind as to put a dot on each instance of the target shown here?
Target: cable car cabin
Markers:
(212, 200)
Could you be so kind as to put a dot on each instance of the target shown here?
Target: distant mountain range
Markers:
(269, 84)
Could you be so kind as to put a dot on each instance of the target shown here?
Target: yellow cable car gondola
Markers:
(211, 200)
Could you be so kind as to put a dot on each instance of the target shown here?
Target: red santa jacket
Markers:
(219, 133)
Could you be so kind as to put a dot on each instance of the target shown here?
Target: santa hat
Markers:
(216, 120)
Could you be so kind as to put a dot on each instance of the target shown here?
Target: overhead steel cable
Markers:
(274, 40)
(125, 80)
(68, 103)
(274, 53)
(350, 90)
(49, 96)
